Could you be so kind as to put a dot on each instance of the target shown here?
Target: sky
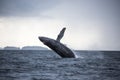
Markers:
(91, 24)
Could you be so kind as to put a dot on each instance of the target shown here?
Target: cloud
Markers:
(90, 23)
(25, 7)
(96, 18)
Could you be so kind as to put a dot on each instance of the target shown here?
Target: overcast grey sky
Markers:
(91, 24)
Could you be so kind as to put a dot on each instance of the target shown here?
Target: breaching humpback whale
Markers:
(57, 46)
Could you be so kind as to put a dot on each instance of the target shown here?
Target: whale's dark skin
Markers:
(57, 46)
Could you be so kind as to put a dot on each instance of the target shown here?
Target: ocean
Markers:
(47, 65)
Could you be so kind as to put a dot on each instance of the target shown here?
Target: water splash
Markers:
(76, 54)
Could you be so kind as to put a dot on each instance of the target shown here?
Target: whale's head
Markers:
(48, 41)
(44, 39)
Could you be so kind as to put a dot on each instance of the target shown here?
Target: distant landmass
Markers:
(33, 48)
(23, 48)
(11, 48)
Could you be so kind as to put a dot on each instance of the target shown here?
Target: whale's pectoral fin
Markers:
(61, 34)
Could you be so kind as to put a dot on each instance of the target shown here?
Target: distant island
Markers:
(24, 48)
(11, 48)
(33, 48)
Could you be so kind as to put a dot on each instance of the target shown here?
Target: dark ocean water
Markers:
(46, 65)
